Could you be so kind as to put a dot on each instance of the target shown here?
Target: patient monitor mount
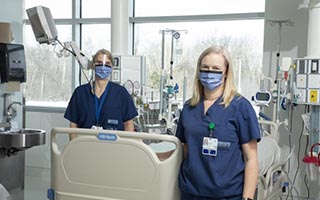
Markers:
(45, 31)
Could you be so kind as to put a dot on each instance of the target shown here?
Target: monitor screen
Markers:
(42, 24)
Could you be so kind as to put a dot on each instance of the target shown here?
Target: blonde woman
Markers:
(219, 131)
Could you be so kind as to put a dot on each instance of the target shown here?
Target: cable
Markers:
(295, 189)
(307, 186)
(84, 76)
(306, 151)
(290, 146)
(290, 131)
(66, 48)
(299, 147)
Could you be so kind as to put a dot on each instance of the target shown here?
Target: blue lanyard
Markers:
(99, 106)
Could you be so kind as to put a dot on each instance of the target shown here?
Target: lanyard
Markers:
(99, 106)
(211, 127)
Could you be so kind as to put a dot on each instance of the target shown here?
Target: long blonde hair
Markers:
(229, 88)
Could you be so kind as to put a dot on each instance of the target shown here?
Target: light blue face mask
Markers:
(103, 71)
(210, 79)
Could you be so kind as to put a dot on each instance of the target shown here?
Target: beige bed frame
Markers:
(110, 165)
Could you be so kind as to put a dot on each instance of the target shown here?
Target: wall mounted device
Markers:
(128, 67)
(12, 63)
(307, 81)
(45, 31)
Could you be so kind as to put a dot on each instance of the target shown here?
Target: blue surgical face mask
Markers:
(103, 71)
(210, 79)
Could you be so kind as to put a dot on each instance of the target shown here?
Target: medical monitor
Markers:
(42, 24)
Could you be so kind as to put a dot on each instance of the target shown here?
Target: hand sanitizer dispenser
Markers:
(12, 63)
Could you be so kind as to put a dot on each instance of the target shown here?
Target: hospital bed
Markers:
(110, 165)
(272, 160)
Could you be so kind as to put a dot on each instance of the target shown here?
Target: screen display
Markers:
(262, 96)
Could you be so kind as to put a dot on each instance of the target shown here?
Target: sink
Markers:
(22, 138)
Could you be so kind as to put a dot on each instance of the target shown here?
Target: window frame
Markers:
(77, 21)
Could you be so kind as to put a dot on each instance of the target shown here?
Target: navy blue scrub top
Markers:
(117, 108)
(222, 175)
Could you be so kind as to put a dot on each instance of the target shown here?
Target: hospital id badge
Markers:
(96, 127)
(209, 146)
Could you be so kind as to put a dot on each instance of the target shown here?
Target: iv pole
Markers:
(163, 115)
(280, 23)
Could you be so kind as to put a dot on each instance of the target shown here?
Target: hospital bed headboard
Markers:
(107, 164)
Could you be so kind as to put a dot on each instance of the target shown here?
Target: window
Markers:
(51, 77)
(48, 74)
(96, 8)
(202, 23)
(95, 37)
(57, 11)
(243, 38)
(230, 23)
(203, 7)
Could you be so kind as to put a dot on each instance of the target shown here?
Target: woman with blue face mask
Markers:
(101, 104)
(219, 131)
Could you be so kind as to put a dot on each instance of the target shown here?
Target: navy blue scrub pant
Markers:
(184, 196)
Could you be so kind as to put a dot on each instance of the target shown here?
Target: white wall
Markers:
(293, 39)
(39, 156)
(294, 45)
(13, 12)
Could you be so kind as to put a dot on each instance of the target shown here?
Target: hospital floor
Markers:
(37, 181)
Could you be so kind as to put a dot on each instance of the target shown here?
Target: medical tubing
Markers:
(305, 179)
(296, 173)
(294, 187)
(290, 145)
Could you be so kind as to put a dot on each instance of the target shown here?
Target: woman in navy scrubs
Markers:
(101, 104)
(219, 131)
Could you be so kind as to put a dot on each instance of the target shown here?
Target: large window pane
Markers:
(96, 8)
(94, 37)
(203, 7)
(48, 75)
(244, 39)
(59, 8)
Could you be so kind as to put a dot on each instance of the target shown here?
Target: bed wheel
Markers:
(283, 189)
